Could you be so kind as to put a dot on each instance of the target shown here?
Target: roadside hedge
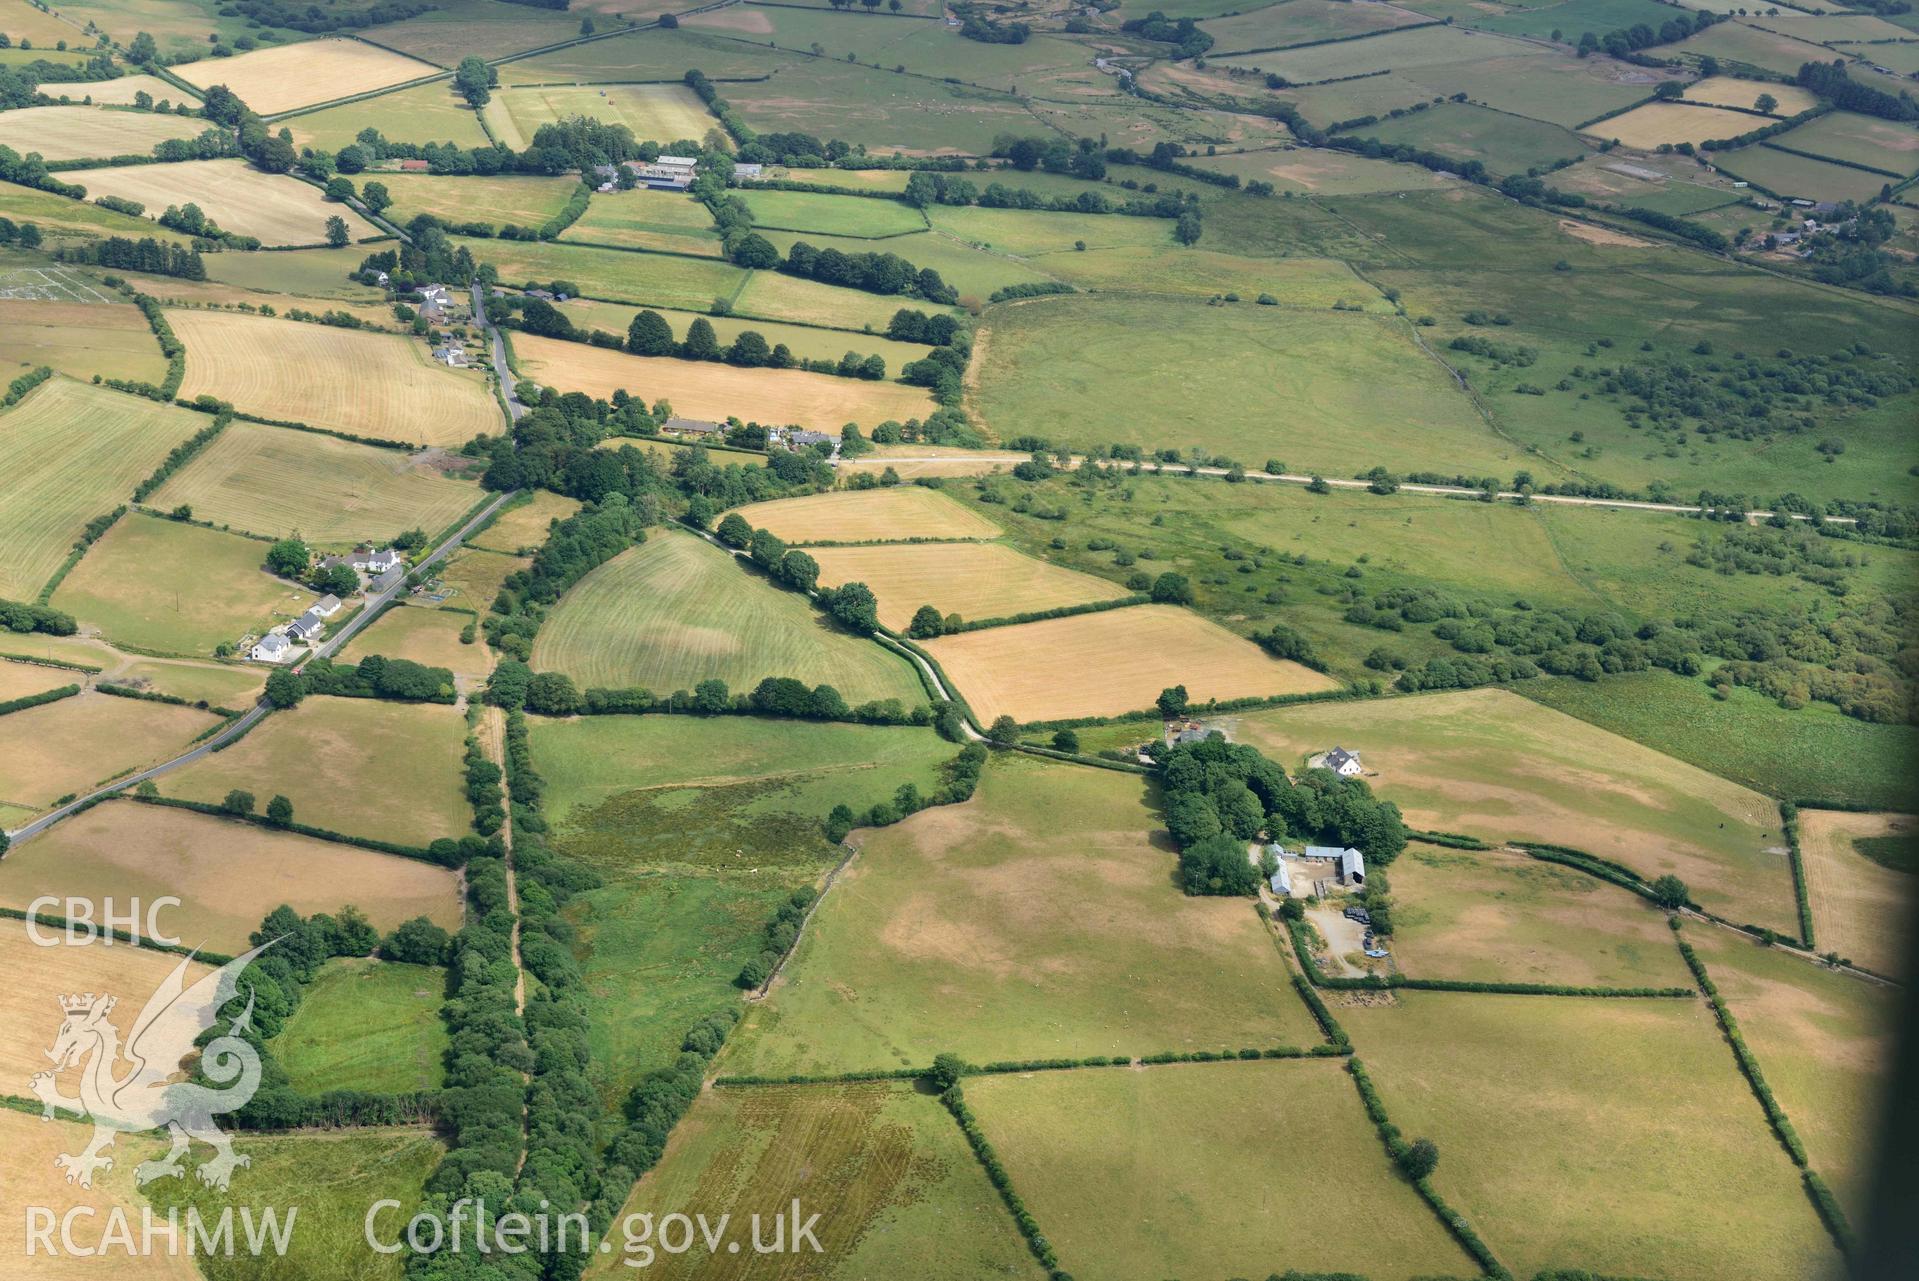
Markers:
(154, 696)
(36, 700)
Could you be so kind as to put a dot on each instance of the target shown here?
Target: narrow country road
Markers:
(497, 344)
(1407, 487)
(254, 715)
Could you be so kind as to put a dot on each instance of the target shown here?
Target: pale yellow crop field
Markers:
(868, 515)
(1658, 122)
(299, 75)
(273, 207)
(1733, 91)
(1860, 909)
(87, 133)
(974, 580)
(381, 386)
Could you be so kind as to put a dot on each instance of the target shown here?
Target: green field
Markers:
(159, 584)
(71, 452)
(1863, 140)
(1745, 42)
(366, 1025)
(856, 216)
(646, 219)
(60, 219)
(1801, 177)
(273, 481)
(390, 771)
(333, 1179)
(1825, 1044)
(773, 295)
(311, 273)
(1559, 1120)
(806, 342)
(650, 55)
(1492, 764)
(946, 934)
(1814, 753)
(699, 828)
(453, 29)
(678, 611)
(1492, 916)
(1172, 1171)
(881, 109)
(908, 1197)
(976, 274)
(1331, 391)
(665, 114)
(522, 201)
(658, 279)
(1302, 21)
(1503, 143)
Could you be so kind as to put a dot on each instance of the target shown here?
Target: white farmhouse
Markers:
(271, 648)
(1342, 762)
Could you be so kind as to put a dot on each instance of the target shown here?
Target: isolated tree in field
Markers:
(238, 801)
(337, 234)
(1318, 485)
(286, 688)
(1172, 589)
(1187, 229)
(649, 335)
(734, 530)
(280, 811)
(143, 49)
(1004, 730)
(1418, 1159)
(472, 80)
(1671, 893)
(1766, 103)
(375, 196)
(1065, 740)
(946, 1071)
(1171, 701)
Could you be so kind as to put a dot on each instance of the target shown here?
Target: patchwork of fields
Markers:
(276, 209)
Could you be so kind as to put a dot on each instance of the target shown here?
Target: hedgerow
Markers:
(22, 703)
(1748, 1065)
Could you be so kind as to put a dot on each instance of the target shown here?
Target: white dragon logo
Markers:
(164, 1034)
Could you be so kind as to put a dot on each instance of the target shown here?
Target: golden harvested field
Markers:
(91, 133)
(18, 680)
(68, 746)
(912, 461)
(39, 975)
(430, 636)
(869, 515)
(79, 338)
(390, 771)
(663, 113)
(273, 481)
(973, 580)
(1656, 122)
(33, 1179)
(1105, 664)
(702, 389)
(1732, 91)
(1860, 909)
(298, 75)
(1560, 1121)
(382, 386)
(226, 875)
(1491, 764)
(524, 524)
(71, 452)
(121, 92)
(277, 209)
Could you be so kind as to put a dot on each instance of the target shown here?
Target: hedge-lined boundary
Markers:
(38, 700)
(1042, 615)
(1451, 840)
(153, 696)
(301, 829)
(1789, 818)
(1593, 865)
(1395, 1145)
(95, 530)
(1201, 709)
(118, 936)
(1013, 1067)
(955, 1102)
(1336, 1038)
(61, 663)
(183, 453)
(1829, 1211)
(19, 387)
(1834, 160)
(1387, 982)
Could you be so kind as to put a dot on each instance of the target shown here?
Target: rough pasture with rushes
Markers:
(280, 79)
(1108, 663)
(273, 481)
(227, 875)
(910, 1198)
(88, 133)
(69, 745)
(80, 339)
(944, 934)
(71, 452)
(1491, 764)
(973, 580)
(700, 389)
(676, 611)
(390, 771)
(1611, 1112)
(293, 371)
(278, 209)
(160, 584)
(1171, 1171)
(869, 515)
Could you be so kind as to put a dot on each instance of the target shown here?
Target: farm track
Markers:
(260, 711)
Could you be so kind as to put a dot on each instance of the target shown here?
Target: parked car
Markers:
(1375, 953)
